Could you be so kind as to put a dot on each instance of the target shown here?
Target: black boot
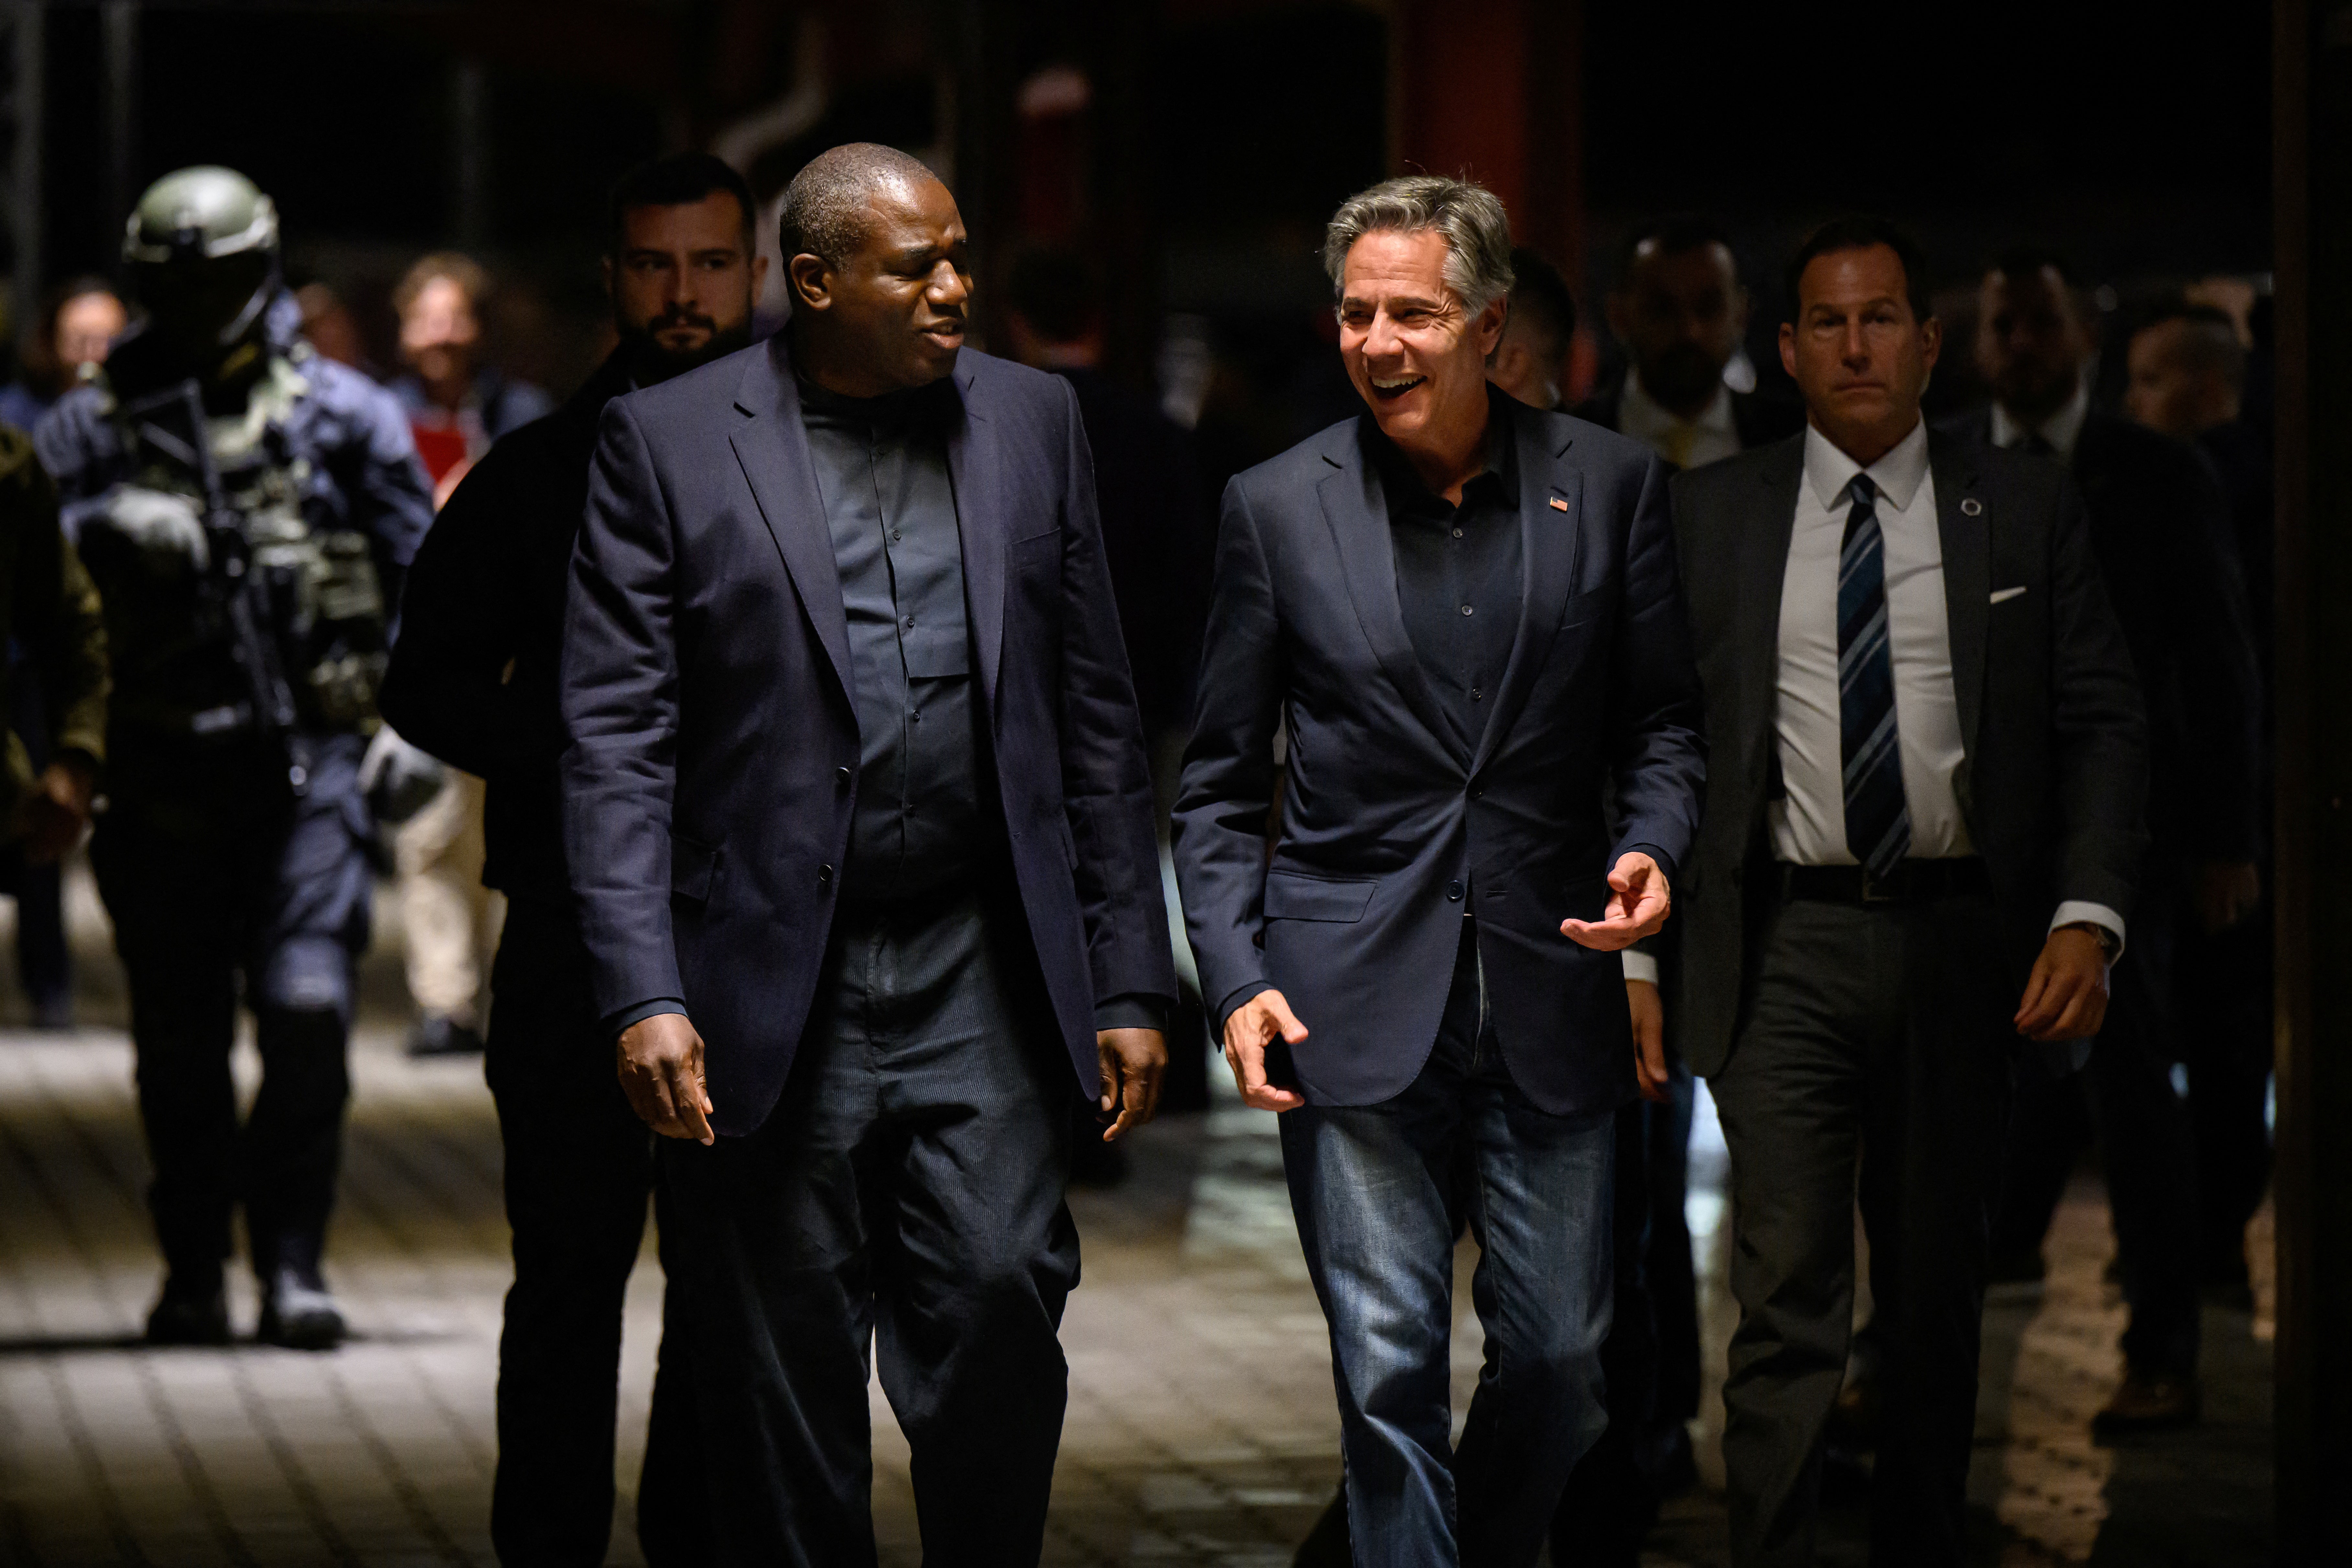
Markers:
(298, 1312)
(191, 1311)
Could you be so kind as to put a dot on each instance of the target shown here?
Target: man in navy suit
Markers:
(1467, 611)
(856, 784)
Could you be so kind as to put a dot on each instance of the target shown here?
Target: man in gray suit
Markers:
(1923, 823)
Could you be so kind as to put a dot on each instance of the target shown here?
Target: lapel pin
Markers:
(1557, 504)
(1971, 505)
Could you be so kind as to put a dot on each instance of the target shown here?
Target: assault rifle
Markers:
(230, 583)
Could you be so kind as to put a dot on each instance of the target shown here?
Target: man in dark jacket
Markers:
(1467, 612)
(859, 824)
(474, 681)
(2160, 528)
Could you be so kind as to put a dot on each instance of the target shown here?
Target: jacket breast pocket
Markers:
(1294, 896)
(693, 870)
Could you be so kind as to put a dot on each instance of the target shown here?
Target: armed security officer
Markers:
(246, 508)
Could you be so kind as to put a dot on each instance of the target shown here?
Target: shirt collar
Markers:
(2062, 429)
(1898, 475)
(1639, 415)
(1502, 470)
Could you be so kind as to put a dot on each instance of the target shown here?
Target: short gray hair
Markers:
(823, 210)
(1477, 230)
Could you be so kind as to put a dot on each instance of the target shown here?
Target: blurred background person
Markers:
(235, 856)
(457, 404)
(329, 326)
(2161, 530)
(1531, 361)
(473, 680)
(1160, 541)
(1681, 312)
(2188, 369)
(1651, 1359)
(1159, 536)
(82, 320)
(57, 646)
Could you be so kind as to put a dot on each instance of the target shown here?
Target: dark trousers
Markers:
(579, 1168)
(2222, 985)
(1870, 1039)
(906, 1192)
(1379, 1193)
(1672, 1275)
(243, 887)
(2146, 1145)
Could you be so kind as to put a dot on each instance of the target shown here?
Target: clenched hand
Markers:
(660, 1062)
(2066, 994)
(1133, 1062)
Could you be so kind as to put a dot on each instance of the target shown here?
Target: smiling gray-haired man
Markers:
(1468, 611)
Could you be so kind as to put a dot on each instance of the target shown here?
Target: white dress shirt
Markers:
(1685, 443)
(1808, 826)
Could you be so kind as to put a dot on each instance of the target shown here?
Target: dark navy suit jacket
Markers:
(713, 756)
(1390, 829)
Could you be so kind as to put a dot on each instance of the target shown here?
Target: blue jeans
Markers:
(1380, 1192)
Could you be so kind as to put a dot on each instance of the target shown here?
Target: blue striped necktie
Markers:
(1877, 821)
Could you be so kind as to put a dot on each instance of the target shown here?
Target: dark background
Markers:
(1210, 141)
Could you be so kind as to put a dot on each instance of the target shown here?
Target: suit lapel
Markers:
(976, 467)
(1966, 544)
(1763, 571)
(1551, 541)
(1355, 511)
(772, 448)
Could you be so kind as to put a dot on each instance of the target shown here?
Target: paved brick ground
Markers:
(1201, 1427)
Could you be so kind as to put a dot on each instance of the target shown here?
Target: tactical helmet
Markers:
(203, 246)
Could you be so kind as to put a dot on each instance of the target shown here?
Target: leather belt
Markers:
(1910, 882)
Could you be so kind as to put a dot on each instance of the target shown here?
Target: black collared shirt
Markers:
(1459, 574)
(921, 821)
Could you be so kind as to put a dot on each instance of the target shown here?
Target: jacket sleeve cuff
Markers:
(1136, 1010)
(1642, 966)
(1234, 998)
(2082, 912)
(616, 1022)
(1665, 861)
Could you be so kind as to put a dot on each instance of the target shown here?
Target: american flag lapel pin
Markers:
(1557, 504)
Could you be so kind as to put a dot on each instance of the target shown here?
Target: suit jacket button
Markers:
(842, 774)
(824, 875)
(1453, 892)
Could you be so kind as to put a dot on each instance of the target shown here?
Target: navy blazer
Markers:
(1386, 821)
(713, 751)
